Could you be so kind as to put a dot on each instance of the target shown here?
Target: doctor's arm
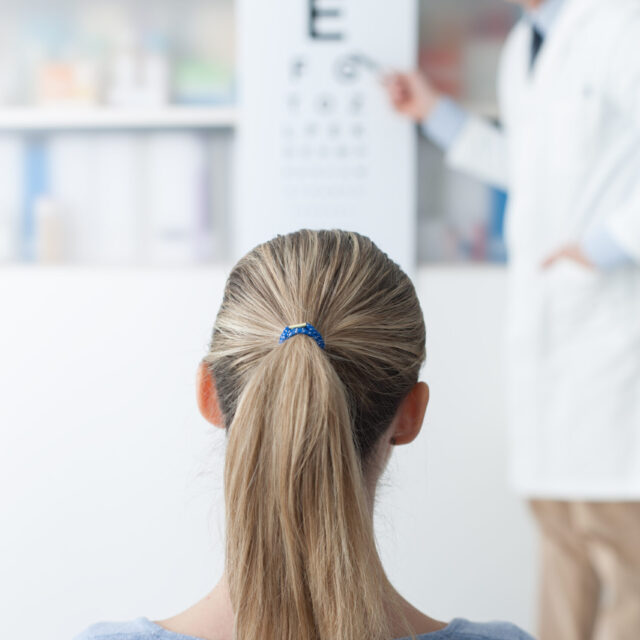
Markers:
(471, 144)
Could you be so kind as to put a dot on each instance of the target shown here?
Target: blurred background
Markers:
(118, 122)
(102, 102)
(95, 97)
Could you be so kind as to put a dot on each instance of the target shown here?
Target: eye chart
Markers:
(319, 145)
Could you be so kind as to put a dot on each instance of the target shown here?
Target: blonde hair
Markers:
(302, 423)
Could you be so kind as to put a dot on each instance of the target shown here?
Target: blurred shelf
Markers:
(109, 118)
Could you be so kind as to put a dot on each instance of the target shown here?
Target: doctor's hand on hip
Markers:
(412, 94)
(572, 252)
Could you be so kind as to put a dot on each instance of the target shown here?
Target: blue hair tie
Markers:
(304, 328)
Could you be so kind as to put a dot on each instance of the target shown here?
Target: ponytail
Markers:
(301, 557)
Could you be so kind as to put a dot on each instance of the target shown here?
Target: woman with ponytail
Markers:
(313, 373)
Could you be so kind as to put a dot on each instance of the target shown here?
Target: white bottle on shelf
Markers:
(175, 197)
(7, 237)
(73, 177)
(11, 186)
(139, 76)
(49, 230)
(98, 177)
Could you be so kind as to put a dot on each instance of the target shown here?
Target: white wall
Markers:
(110, 488)
(461, 543)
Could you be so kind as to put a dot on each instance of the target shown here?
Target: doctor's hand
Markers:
(411, 94)
(572, 252)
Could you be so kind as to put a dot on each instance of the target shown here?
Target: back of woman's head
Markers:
(303, 424)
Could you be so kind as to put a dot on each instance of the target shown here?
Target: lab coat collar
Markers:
(544, 17)
(566, 23)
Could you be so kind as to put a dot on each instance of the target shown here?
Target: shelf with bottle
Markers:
(460, 220)
(122, 198)
(113, 64)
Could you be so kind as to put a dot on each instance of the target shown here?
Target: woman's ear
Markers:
(408, 420)
(207, 396)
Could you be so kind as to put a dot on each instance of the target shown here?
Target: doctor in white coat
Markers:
(568, 152)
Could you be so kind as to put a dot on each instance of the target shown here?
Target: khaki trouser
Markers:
(590, 579)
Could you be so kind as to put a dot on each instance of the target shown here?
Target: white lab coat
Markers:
(569, 155)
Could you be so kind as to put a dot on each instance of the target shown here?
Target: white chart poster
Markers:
(319, 146)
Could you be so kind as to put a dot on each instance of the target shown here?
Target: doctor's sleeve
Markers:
(480, 150)
(602, 250)
(445, 123)
(623, 89)
(471, 144)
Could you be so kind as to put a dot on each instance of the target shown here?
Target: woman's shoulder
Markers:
(130, 630)
(461, 629)
(458, 629)
(138, 629)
